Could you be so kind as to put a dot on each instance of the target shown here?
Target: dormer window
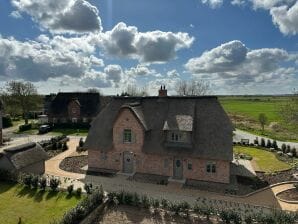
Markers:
(178, 136)
(127, 136)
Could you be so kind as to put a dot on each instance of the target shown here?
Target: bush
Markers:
(54, 183)
(59, 145)
(263, 142)
(26, 180)
(34, 182)
(88, 188)
(274, 145)
(294, 152)
(79, 191)
(70, 189)
(64, 146)
(25, 127)
(269, 145)
(6, 122)
(256, 141)
(42, 183)
(81, 143)
(145, 201)
(283, 148)
(288, 149)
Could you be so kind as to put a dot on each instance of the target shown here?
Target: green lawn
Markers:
(266, 160)
(244, 113)
(69, 131)
(33, 206)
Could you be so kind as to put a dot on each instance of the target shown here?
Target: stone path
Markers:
(170, 192)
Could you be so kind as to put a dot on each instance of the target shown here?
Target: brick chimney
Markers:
(162, 92)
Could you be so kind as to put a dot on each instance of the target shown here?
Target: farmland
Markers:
(244, 112)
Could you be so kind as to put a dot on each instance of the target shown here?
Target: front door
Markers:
(178, 168)
(127, 162)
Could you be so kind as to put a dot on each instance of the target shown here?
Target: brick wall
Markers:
(150, 163)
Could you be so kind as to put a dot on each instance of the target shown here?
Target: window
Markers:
(127, 136)
(178, 137)
(85, 119)
(74, 120)
(211, 168)
(189, 166)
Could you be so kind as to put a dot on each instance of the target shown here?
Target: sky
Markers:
(237, 46)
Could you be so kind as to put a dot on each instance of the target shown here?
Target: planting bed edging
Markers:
(284, 200)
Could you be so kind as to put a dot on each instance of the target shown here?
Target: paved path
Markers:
(239, 134)
(171, 192)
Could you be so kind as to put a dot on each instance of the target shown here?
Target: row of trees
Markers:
(20, 98)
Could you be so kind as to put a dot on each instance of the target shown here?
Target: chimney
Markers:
(162, 92)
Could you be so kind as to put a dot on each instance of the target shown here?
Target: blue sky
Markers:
(238, 46)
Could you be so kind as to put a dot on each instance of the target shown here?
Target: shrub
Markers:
(79, 191)
(70, 189)
(283, 148)
(88, 188)
(263, 142)
(81, 143)
(54, 183)
(164, 203)
(54, 146)
(294, 152)
(34, 182)
(64, 146)
(288, 149)
(248, 219)
(6, 122)
(256, 141)
(26, 180)
(145, 201)
(274, 145)
(59, 145)
(42, 183)
(269, 145)
(25, 127)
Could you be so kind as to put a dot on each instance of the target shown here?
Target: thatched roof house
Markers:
(29, 158)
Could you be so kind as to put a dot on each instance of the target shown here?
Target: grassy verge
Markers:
(33, 206)
(266, 161)
(69, 131)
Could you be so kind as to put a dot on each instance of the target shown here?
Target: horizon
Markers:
(240, 47)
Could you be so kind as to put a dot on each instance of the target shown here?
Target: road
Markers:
(239, 134)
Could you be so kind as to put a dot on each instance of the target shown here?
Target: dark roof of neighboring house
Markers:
(203, 116)
(90, 103)
(25, 155)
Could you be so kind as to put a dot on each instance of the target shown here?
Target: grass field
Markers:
(58, 131)
(244, 113)
(33, 206)
(265, 160)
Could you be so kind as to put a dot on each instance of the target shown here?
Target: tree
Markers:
(21, 96)
(289, 111)
(262, 120)
(194, 87)
(133, 90)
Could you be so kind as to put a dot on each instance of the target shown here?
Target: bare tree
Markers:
(133, 90)
(193, 87)
(21, 96)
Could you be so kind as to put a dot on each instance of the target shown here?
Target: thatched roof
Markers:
(89, 103)
(202, 116)
(25, 155)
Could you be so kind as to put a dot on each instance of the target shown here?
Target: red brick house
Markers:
(178, 137)
(73, 107)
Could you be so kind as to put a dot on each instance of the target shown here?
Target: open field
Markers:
(33, 206)
(244, 112)
(266, 161)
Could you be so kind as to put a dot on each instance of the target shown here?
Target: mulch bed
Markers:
(277, 177)
(289, 195)
(74, 164)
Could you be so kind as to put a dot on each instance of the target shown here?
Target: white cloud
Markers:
(286, 18)
(67, 16)
(156, 46)
(36, 61)
(114, 72)
(238, 2)
(213, 3)
(16, 14)
(233, 63)
(140, 70)
(173, 74)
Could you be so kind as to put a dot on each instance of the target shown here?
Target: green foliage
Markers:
(81, 143)
(70, 189)
(42, 183)
(79, 191)
(25, 127)
(54, 183)
(263, 142)
(145, 201)
(64, 146)
(284, 147)
(27, 179)
(268, 145)
(274, 145)
(263, 120)
(34, 181)
(88, 188)
(6, 122)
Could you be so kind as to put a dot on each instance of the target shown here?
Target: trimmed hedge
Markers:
(25, 127)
